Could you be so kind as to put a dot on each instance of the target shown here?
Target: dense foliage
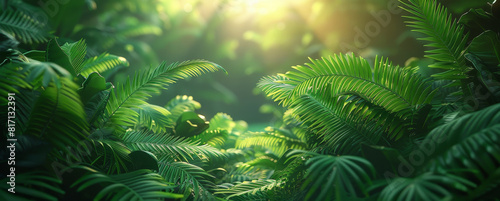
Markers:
(352, 128)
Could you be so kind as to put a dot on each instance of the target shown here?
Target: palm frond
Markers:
(119, 111)
(108, 156)
(336, 177)
(22, 26)
(469, 142)
(76, 53)
(31, 186)
(248, 190)
(344, 125)
(215, 138)
(190, 178)
(11, 80)
(272, 140)
(445, 36)
(137, 185)
(388, 86)
(171, 146)
(43, 73)
(101, 64)
(153, 117)
(58, 117)
(244, 172)
(428, 186)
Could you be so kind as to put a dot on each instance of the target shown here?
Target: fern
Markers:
(174, 147)
(340, 177)
(249, 190)
(101, 64)
(444, 35)
(11, 80)
(427, 186)
(470, 142)
(153, 117)
(22, 26)
(388, 86)
(189, 177)
(137, 185)
(119, 111)
(76, 53)
(58, 117)
(272, 140)
(32, 186)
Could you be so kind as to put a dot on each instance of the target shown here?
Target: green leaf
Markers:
(76, 52)
(22, 26)
(58, 117)
(336, 177)
(487, 48)
(56, 55)
(135, 92)
(153, 117)
(427, 186)
(102, 63)
(94, 84)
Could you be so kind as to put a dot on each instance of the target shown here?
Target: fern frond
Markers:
(190, 178)
(344, 125)
(58, 117)
(101, 64)
(22, 26)
(272, 140)
(428, 186)
(76, 53)
(137, 185)
(244, 172)
(174, 147)
(32, 186)
(444, 34)
(471, 142)
(11, 80)
(336, 177)
(153, 117)
(388, 86)
(135, 92)
(248, 190)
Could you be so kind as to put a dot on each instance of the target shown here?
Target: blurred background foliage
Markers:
(249, 38)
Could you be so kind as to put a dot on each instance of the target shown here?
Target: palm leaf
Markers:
(443, 34)
(58, 117)
(248, 190)
(427, 186)
(171, 146)
(189, 177)
(470, 142)
(339, 177)
(344, 125)
(101, 64)
(119, 111)
(273, 140)
(11, 80)
(32, 186)
(244, 172)
(138, 185)
(76, 53)
(388, 86)
(153, 117)
(22, 26)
